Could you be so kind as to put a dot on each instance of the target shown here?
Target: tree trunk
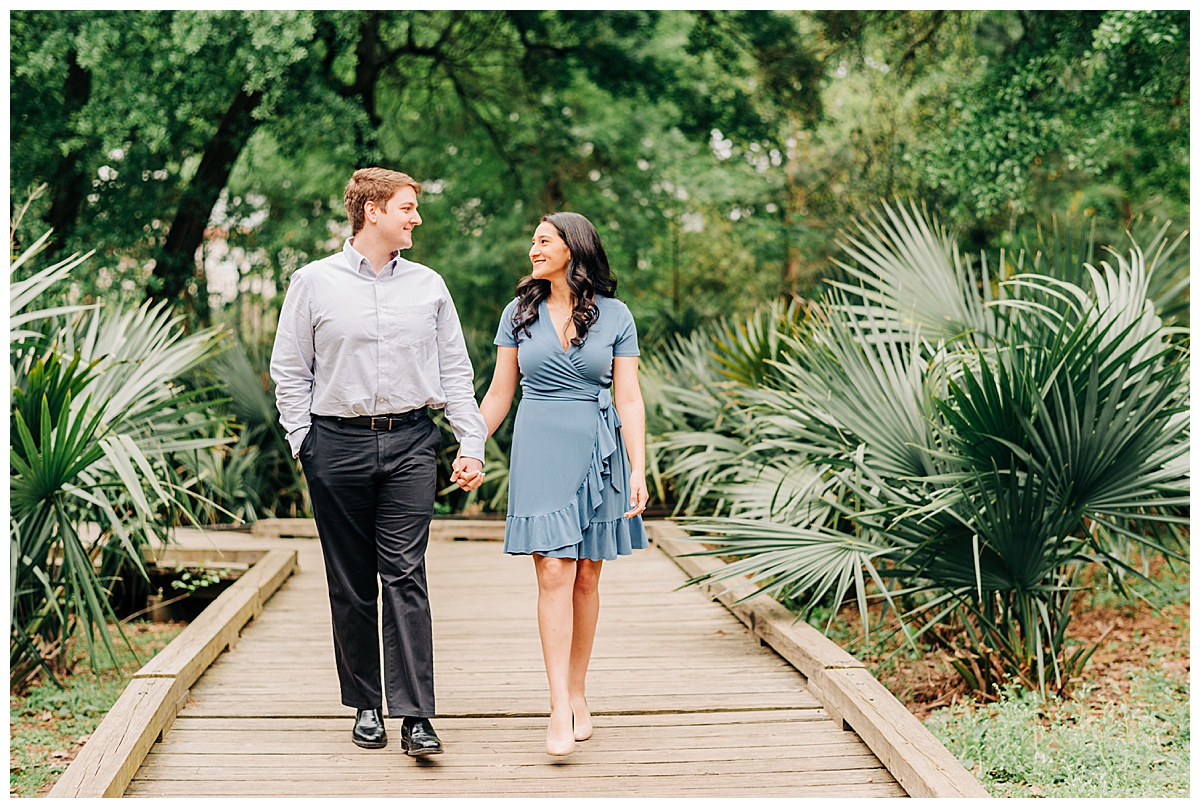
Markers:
(366, 70)
(553, 196)
(368, 65)
(70, 183)
(796, 197)
(175, 267)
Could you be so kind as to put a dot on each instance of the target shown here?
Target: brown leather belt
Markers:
(379, 423)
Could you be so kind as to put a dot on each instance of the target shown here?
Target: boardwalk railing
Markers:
(110, 758)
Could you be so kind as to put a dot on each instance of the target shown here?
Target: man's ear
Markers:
(370, 211)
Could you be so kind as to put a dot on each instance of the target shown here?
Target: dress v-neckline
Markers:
(554, 329)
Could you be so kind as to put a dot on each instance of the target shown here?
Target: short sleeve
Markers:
(504, 331)
(626, 343)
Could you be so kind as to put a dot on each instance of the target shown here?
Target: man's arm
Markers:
(292, 361)
(458, 382)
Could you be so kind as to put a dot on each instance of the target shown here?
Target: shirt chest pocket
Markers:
(414, 325)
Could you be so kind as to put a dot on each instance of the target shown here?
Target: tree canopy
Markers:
(205, 152)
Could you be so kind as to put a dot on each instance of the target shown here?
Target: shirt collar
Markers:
(359, 263)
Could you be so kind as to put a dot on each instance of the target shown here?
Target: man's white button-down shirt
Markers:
(352, 342)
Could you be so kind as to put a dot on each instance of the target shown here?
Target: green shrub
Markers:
(96, 416)
(957, 439)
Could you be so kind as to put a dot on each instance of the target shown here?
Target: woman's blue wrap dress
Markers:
(568, 484)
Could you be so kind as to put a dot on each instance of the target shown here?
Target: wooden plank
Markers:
(529, 762)
(646, 751)
(847, 690)
(328, 703)
(686, 721)
(532, 690)
(492, 670)
(759, 739)
(688, 729)
(195, 648)
(536, 771)
(532, 695)
(910, 751)
(651, 680)
(439, 529)
(213, 556)
(269, 574)
(390, 782)
(795, 640)
(281, 528)
(111, 757)
(466, 529)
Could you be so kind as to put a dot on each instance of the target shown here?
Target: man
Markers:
(367, 343)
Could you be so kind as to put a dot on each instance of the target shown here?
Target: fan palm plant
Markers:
(95, 416)
(258, 476)
(960, 444)
(1065, 251)
(699, 394)
(229, 478)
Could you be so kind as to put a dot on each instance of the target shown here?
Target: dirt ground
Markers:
(1137, 635)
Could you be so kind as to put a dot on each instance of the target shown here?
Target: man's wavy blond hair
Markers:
(376, 185)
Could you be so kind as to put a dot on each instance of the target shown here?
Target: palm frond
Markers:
(911, 276)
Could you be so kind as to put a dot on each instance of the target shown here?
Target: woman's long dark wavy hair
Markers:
(588, 275)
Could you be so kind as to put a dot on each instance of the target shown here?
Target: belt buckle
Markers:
(375, 418)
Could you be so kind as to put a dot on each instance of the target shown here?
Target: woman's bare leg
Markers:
(556, 581)
(586, 602)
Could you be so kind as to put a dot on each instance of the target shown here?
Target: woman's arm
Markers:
(498, 400)
(494, 408)
(627, 396)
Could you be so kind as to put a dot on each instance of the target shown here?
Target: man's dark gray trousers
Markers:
(372, 496)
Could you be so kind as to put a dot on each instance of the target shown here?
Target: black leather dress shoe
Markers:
(418, 738)
(368, 729)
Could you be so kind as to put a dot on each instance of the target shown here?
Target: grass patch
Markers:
(1024, 747)
(1123, 732)
(48, 726)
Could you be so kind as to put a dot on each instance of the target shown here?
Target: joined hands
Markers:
(468, 473)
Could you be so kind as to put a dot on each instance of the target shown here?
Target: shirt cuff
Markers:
(295, 439)
(471, 447)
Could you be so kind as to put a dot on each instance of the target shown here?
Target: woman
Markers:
(574, 498)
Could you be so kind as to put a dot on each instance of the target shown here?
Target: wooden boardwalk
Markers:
(686, 702)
